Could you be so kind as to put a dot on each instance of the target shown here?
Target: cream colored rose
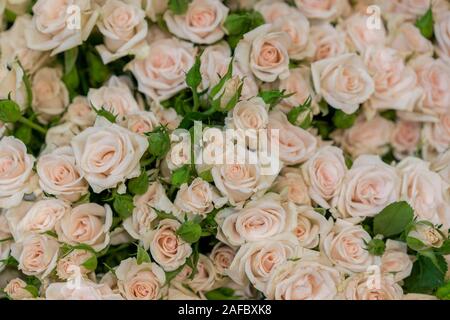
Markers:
(166, 247)
(75, 258)
(424, 190)
(166, 116)
(264, 52)
(363, 286)
(250, 88)
(60, 135)
(107, 154)
(255, 262)
(16, 172)
(87, 223)
(395, 260)
(180, 150)
(291, 186)
(16, 290)
(258, 220)
(368, 187)
(162, 73)
(427, 234)
(405, 138)
(60, 25)
(222, 256)
(328, 42)
(296, 145)
(11, 77)
(303, 280)
(437, 134)
(153, 8)
(324, 173)
(140, 281)
(407, 39)
(441, 165)
(60, 176)
(367, 136)
(323, 10)
(116, 97)
(214, 63)
(205, 278)
(299, 85)
(6, 240)
(342, 81)
(50, 95)
(273, 10)
(360, 35)
(80, 112)
(201, 23)
(123, 26)
(345, 247)
(442, 34)
(141, 122)
(310, 226)
(85, 290)
(396, 85)
(36, 254)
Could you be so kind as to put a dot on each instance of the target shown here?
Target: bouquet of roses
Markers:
(236, 149)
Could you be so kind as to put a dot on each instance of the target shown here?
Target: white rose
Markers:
(273, 10)
(427, 234)
(343, 81)
(407, 39)
(153, 8)
(61, 135)
(214, 63)
(300, 86)
(205, 278)
(108, 154)
(11, 77)
(437, 134)
(16, 290)
(310, 226)
(395, 260)
(166, 116)
(87, 290)
(5, 244)
(291, 186)
(141, 122)
(80, 112)
(325, 10)
(442, 34)
(65, 266)
(180, 150)
(360, 35)
(222, 256)
(441, 165)
(405, 138)
(327, 41)
(363, 286)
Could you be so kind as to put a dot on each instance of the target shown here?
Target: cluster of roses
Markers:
(100, 195)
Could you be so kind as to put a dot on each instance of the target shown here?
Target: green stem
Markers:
(196, 100)
(32, 125)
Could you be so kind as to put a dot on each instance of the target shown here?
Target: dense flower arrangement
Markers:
(119, 119)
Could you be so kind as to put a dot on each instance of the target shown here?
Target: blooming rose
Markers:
(124, 29)
(299, 85)
(36, 254)
(55, 28)
(162, 73)
(303, 280)
(153, 8)
(166, 116)
(368, 187)
(166, 247)
(201, 23)
(87, 223)
(325, 10)
(108, 154)
(363, 286)
(77, 257)
(180, 150)
(291, 186)
(5, 244)
(360, 35)
(16, 172)
(310, 226)
(264, 52)
(405, 138)
(437, 134)
(141, 122)
(61, 135)
(441, 165)
(140, 281)
(205, 278)
(84, 290)
(80, 112)
(60, 176)
(222, 256)
(427, 234)
(345, 246)
(16, 290)
(395, 260)
(442, 34)
(328, 42)
(273, 10)
(343, 82)
(11, 77)
(407, 39)
(324, 173)
(214, 63)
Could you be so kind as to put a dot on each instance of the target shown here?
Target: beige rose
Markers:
(85, 290)
(65, 266)
(87, 223)
(222, 256)
(437, 134)
(60, 135)
(368, 187)
(395, 260)
(107, 154)
(5, 243)
(322, 10)
(427, 234)
(36, 254)
(342, 81)
(441, 165)
(201, 23)
(273, 10)
(180, 150)
(407, 39)
(11, 77)
(405, 138)
(363, 286)
(264, 52)
(442, 34)
(16, 290)
(300, 86)
(140, 281)
(153, 8)
(50, 95)
(205, 278)
(214, 63)
(328, 42)
(360, 35)
(166, 247)
(310, 226)
(80, 112)
(16, 172)
(55, 26)
(166, 116)
(141, 122)
(162, 73)
(324, 173)
(291, 186)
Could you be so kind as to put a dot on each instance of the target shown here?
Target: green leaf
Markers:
(23, 133)
(33, 290)
(193, 76)
(443, 292)
(72, 81)
(158, 142)
(123, 205)
(98, 72)
(376, 247)
(164, 215)
(181, 175)
(445, 248)
(178, 6)
(425, 24)
(241, 23)
(274, 97)
(221, 294)
(206, 175)
(9, 111)
(10, 16)
(142, 256)
(425, 276)
(218, 87)
(190, 231)
(91, 263)
(192, 262)
(303, 110)
(415, 244)
(70, 59)
(102, 112)
(139, 185)
(170, 275)
(393, 219)
(343, 120)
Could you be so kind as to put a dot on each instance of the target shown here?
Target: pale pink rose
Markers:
(410, 9)
(429, 235)
(214, 63)
(60, 176)
(299, 83)
(50, 95)
(36, 254)
(123, 26)
(324, 173)
(363, 286)
(441, 165)
(16, 290)
(222, 256)
(16, 172)
(87, 223)
(55, 28)
(328, 42)
(405, 138)
(424, 190)
(273, 10)
(367, 136)
(11, 77)
(166, 116)
(296, 145)
(201, 23)
(141, 122)
(360, 35)
(80, 112)
(180, 150)
(181, 293)
(343, 82)
(368, 187)
(395, 260)
(255, 262)
(140, 281)
(345, 246)
(205, 278)
(310, 226)
(75, 258)
(303, 280)
(107, 154)
(396, 85)
(250, 87)
(291, 186)
(166, 247)
(407, 39)
(60, 135)
(5, 244)
(153, 8)
(162, 73)
(442, 34)
(437, 134)
(85, 290)
(264, 53)
(323, 10)
(19, 7)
